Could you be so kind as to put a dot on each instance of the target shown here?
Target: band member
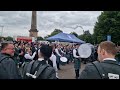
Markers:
(77, 62)
(28, 55)
(53, 59)
(57, 56)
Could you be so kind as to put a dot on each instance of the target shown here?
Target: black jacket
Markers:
(109, 66)
(48, 73)
(8, 68)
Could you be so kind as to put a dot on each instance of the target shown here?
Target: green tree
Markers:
(74, 33)
(56, 31)
(9, 38)
(40, 38)
(108, 24)
(2, 38)
(87, 37)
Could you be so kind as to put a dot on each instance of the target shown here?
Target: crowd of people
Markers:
(33, 60)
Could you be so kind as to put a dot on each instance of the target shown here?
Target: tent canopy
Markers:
(64, 37)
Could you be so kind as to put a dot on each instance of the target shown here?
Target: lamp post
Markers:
(76, 27)
(82, 29)
(1, 30)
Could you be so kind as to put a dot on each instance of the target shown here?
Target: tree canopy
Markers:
(39, 38)
(108, 24)
(87, 37)
(8, 38)
(74, 33)
(56, 31)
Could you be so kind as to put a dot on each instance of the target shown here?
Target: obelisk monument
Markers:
(33, 31)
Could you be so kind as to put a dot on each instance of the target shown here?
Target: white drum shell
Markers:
(84, 51)
(63, 59)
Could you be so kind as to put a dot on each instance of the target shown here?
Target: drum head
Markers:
(63, 59)
(84, 51)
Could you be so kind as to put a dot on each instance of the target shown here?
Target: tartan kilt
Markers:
(77, 63)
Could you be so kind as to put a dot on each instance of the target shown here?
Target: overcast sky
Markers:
(19, 22)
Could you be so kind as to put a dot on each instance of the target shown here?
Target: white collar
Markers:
(109, 59)
(40, 59)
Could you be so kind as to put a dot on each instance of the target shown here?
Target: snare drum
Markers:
(63, 60)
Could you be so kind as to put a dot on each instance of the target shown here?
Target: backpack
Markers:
(102, 73)
(3, 59)
(36, 72)
(50, 62)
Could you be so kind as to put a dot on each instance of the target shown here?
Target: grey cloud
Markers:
(15, 19)
(70, 18)
(47, 21)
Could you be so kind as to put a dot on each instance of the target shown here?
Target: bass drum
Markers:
(63, 60)
(85, 51)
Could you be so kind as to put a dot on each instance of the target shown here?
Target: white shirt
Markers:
(62, 51)
(35, 48)
(74, 54)
(109, 59)
(56, 50)
(28, 56)
(40, 59)
(53, 59)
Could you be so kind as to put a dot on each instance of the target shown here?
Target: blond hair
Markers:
(26, 49)
(109, 47)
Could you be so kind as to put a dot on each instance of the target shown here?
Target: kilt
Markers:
(77, 64)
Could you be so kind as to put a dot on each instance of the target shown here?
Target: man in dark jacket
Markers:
(107, 67)
(8, 68)
(40, 69)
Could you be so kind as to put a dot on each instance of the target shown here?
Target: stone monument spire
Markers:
(33, 31)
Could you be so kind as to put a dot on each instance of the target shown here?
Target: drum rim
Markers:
(63, 61)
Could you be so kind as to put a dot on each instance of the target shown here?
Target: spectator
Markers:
(8, 68)
(107, 67)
